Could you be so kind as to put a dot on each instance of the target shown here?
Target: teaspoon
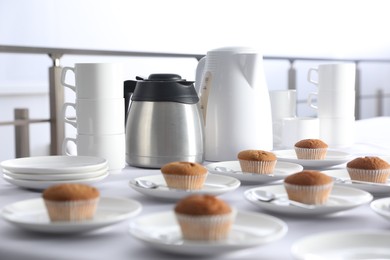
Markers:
(266, 196)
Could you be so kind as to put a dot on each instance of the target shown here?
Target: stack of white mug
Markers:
(99, 107)
(335, 102)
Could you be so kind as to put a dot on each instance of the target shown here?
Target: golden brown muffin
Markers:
(256, 155)
(199, 205)
(311, 143)
(71, 202)
(310, 187)
(369, 168)
(311, 149)
(184, 175)
(70, 192)
(204, 217)
(257, 161)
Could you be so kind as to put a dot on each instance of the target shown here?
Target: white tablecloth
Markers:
(114, 242)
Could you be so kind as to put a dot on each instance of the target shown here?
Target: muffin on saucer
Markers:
(204, 217)
(71, 202)
(309, 187)
(311, 149)
(184, 175)
(369, 168)
(257, 161)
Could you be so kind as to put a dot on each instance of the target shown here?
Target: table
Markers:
(114, 242)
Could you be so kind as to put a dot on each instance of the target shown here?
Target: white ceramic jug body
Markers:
(235, 103)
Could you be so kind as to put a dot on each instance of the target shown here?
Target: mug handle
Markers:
(309, 76)
(66, 119)
(65, 144)
(310, 98)
(63, 76)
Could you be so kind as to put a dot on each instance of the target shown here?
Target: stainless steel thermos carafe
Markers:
(163, 122)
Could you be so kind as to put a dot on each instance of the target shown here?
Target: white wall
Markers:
(335, 29)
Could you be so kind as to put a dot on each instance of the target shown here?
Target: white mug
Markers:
(96, 80)
(339, 76)
(109, 147)
(332, 103)
(97, 116)
(283, 104)
(295, 129)
(337, 132)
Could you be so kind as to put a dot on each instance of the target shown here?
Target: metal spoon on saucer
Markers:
(266, 196)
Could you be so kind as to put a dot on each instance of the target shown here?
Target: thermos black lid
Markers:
(163, 87)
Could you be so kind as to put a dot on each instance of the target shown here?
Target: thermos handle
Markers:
(199, 75)
(128, 90)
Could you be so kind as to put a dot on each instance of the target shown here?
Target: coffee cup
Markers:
(295, 129)
(337, 132)
(97, 116)
(95, 80)
(339, 76)
(332, 103)
(110, 147)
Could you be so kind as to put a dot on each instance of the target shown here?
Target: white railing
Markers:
(56, 93)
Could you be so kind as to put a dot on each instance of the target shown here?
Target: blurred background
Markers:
(301, 28)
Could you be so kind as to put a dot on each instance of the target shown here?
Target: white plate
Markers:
(40, 185)
(250, 229)
(282, 169)
(381, 207)
(54, 164)
(341, 198)
(214, 185)
(376, 189)
(343, 245)
(56, 176)
(32, 215)
(332, 158)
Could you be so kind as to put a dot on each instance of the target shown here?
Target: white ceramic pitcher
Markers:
(235, 102)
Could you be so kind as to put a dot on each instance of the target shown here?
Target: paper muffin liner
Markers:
(71, 210)
(377, 176)
(185, 182)
(260, 167)
(310, 153)
(314, 194)
(207, 228)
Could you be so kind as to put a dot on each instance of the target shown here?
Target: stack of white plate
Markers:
(43, 171)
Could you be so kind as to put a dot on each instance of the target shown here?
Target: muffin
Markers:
(184, 175)
(71, 202)
(204, 217)
(309, 187)
(257, 161)
(311, 149)
(371, 169)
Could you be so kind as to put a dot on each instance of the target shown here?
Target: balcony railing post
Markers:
(56, 99)
(22, 133)
(357, 92)
(292, 76)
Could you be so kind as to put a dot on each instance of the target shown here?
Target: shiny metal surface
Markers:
(162, 132)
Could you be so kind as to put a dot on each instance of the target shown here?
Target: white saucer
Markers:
(161, 231)
(56, 176)
(375, 189)
(341, 198)
(342, 245)
(40, 185)
(54, 164)
(332, 158)
(214, 185)
(32, 215)
(381, 207)
(282, 169)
